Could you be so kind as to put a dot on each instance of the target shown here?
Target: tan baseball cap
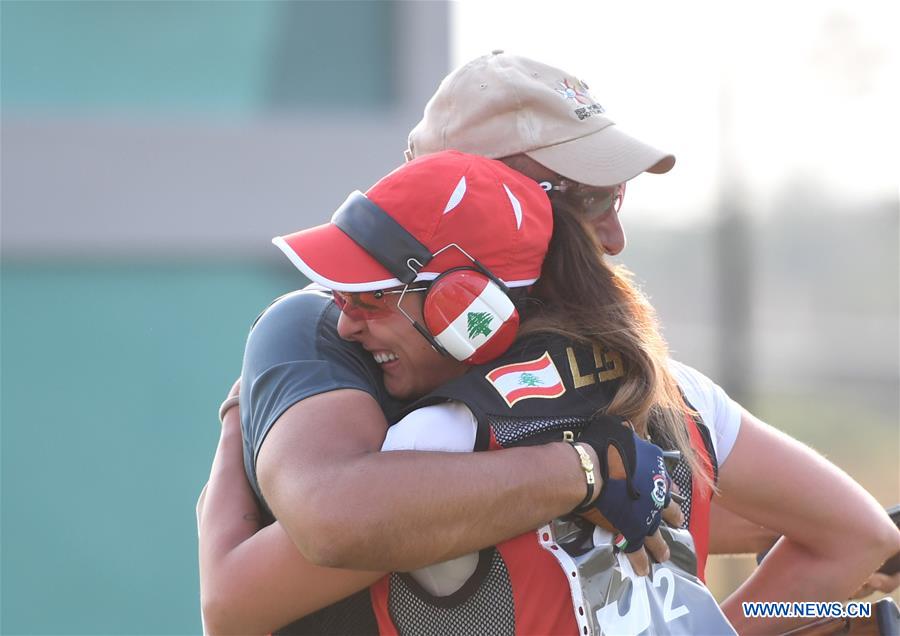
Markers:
(500, 105)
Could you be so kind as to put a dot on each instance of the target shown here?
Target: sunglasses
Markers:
(592, 201)
(370, 305)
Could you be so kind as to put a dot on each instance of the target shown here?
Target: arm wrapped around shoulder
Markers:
(633, 493)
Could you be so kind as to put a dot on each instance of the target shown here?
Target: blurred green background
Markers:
(122, 329)
(111, 374)
(150, 150)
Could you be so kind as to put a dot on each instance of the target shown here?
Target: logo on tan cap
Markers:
(501, 105)
(577, 91)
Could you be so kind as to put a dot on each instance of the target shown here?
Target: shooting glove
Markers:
(632, 505)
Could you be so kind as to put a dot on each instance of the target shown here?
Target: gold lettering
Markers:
(578, 379)
(609, 364)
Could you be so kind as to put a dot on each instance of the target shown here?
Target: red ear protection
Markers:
(470, 316)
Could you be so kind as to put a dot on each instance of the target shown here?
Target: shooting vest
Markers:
(543, 386)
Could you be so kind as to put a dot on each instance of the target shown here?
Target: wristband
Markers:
(226, 406)
(588, 467)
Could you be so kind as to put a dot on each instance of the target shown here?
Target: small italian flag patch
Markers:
(522, 380)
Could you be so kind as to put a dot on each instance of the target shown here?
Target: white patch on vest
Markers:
(455, 337)
(458, 193)
(517, 207)
(637, 618)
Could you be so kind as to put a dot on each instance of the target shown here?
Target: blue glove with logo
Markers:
(632, 505)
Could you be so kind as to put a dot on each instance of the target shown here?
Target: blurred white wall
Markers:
(132, 181)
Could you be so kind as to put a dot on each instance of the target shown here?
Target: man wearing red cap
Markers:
(512, 247)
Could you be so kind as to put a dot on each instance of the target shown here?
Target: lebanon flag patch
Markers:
(522, 380)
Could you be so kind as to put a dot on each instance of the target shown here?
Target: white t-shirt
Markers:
(720, 414)
(448, 427)
(451, 427)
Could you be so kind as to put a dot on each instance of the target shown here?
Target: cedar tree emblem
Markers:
(529, 379)
(479, 322)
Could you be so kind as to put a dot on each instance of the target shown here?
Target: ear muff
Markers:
(470, 316)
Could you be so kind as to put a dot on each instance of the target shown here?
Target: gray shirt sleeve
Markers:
(294, 352)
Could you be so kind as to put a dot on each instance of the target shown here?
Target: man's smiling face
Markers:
(410, 365)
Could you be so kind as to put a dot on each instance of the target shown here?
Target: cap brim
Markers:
(603, 158)
(330, 258)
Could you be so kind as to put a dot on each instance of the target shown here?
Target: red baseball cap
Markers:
(492, 212)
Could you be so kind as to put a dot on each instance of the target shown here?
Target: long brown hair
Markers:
(582, 297)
